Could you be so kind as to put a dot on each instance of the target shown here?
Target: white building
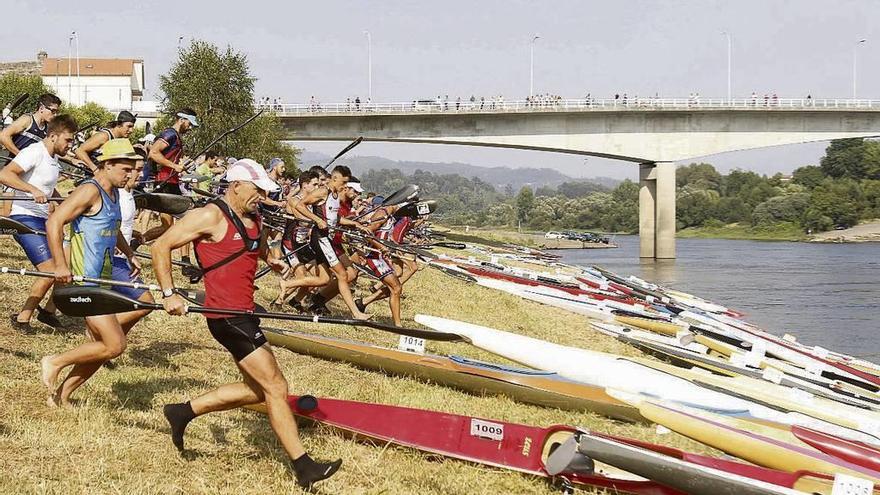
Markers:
(114, 83)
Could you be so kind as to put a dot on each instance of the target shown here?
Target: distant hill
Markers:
(499, 177)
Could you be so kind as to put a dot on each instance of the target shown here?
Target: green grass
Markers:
(115, 440)
(778, 232)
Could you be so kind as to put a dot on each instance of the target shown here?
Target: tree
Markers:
(695, 205)
(840, 200)
(852, 158)
(699, 175)
(90, 114)
(525, 202)
(579, 189)
(218, 85)
(787, 208)
(13, 85)
(809, 176)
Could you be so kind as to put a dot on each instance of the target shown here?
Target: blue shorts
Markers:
(122, 273)
(36, 247)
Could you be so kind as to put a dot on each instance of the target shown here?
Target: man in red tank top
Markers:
(229, 239)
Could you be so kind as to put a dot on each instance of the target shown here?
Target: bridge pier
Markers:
(657, 210)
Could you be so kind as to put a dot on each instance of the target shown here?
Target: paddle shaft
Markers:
(79, 278)
(345, 150)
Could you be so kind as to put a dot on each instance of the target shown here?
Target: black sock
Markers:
(318, 300)
(308, 471)
(178, 416)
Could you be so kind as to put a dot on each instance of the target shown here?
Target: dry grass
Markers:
(116, 441)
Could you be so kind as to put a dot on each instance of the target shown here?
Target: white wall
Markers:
(111, 92)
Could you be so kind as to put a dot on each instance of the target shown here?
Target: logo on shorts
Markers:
(80, 299)
(236, 237)
(258, 334)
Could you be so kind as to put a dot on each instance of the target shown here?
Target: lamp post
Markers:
(532, 65)
(369, 65)
(855, 58)
(729, 54)
(79, 95)
(69, 66)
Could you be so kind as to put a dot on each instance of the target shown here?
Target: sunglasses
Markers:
(54, 110)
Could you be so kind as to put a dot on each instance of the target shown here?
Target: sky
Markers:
(422, 49)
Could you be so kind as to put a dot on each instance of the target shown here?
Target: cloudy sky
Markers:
(423, 49)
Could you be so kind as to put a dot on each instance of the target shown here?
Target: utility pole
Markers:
(729, 54)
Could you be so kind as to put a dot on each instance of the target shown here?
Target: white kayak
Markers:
(619, 374)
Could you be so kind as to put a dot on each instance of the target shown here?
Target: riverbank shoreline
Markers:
(864, 232)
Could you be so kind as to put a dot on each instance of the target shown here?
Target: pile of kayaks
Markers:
(806, 419)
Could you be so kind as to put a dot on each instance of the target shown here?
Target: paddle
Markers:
(405, 193)
(11, 106)
(215, 141)
(414, 210)
(173, 262)
(197, 297)
(91, 301)
(344, 151)
(172, 204)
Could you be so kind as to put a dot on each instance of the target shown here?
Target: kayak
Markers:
(749, 445)
(590, 367)
(650, 379)
(544, 452)
(490, 442)
(529, 386)
(679, 474)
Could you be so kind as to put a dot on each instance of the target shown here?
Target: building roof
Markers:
(57, 66)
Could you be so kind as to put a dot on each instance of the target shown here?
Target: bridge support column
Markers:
(657, 210)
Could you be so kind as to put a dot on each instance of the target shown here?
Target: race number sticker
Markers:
(423, 208)
(411, 344)
(845, 484)
(487, 429)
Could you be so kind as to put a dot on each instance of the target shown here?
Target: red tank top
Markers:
(230, 285)
(344, 211)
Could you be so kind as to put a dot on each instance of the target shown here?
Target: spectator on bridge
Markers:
(446, 102)
(458, 103)
(482, 102)
(766, 99)
(775, 100)
(357, 103)
(473, 101)
(809, 100)
(754, 99)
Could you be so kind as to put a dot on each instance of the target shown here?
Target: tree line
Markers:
(839, 192)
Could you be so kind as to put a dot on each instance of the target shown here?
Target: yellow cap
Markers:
(117, 149)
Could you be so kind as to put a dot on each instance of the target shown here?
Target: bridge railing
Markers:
(568, 105)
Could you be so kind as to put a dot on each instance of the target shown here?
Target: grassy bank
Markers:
(778, 232)
(115, 439)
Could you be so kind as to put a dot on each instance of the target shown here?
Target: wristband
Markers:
(166, 293)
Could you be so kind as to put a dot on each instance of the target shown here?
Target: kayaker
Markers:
(34, 173)
(165, 154)
(327, 201)
(229, 238)
(26, 130)
(94, 213)
(89, 151)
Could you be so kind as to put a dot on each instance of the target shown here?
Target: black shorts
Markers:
(240, 335)
(169, 188)
(324, 251)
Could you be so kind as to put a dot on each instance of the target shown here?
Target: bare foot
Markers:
(362, 316)
(48, 373)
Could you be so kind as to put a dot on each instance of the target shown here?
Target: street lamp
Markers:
(179, 41)
(855, 53)
(79, 96)
(369, 65)
(69, 66)
(532, 65)
(729, 53)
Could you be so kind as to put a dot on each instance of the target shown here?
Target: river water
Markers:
(825, 294)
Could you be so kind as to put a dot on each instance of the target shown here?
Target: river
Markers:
(825, 294)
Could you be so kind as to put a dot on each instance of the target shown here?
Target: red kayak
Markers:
(507, 445)
(849, 450)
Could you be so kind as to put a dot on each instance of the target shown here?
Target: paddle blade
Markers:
(414, 210)
(18, 101)
(9, 226)
(451, 245)
(78, 300)
(171, 204)
(405, 193)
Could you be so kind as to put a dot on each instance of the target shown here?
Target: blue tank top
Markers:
(29, 136)
(93, 238)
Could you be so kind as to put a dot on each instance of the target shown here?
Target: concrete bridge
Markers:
(654, 133)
